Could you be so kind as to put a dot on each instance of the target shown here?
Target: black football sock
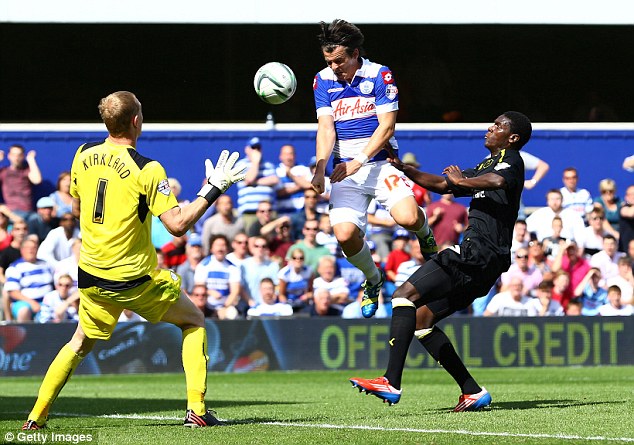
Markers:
(440, 348)
(401, 333)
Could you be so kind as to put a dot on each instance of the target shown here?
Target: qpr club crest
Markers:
(366, 87)
(164, 187)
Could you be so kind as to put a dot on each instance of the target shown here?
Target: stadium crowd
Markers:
(273, 252)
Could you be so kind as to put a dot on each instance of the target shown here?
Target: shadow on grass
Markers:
(535, 404)
(16, 408)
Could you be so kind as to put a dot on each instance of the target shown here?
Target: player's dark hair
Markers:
(520, 125)
(340, 33)
(213, 238)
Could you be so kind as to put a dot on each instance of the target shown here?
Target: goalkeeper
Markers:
(118, 189)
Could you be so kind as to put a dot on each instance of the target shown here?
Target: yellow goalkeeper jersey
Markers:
(118, 189)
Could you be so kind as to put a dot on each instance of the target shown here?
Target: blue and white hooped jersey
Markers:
(355, 106)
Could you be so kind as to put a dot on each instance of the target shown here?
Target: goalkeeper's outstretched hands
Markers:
(221, 177)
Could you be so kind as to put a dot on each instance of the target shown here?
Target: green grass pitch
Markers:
(530, 406)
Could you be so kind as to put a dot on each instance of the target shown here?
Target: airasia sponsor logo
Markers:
(353, 108)
(16, 361)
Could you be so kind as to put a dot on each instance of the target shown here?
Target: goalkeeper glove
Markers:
(220, 178)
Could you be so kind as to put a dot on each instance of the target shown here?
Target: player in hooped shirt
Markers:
(357, 103)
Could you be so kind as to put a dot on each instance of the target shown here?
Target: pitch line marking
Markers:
(363, 427)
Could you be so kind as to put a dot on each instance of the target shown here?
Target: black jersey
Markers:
(492, 213)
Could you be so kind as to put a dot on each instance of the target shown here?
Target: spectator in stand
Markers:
(327, 278)
(574, 307)
(255, 268)
(407, 268)
(61, 304)
(624, 280)
(312, 250)
(509, 303)
(264, 215)
(6, 217)
(240, 249)
(422, 196)
(223, 279)
(43, 221)
(193, 257)
(224, 222)
(615, 307)
(11, 253)
(380, 228)
(448, 219)
(606, 260)
(269, 307)
(553, 242)
(611, 204)
(305, 183)
(521, 237)
(290, 194)
(573, 197)
(626, 220)
(592, 295)
(398, 255)
(628, 164)
(540, 167)
(278, 235)
(594, 233)
(537, 259)
(544, 305)
(325, 236)
(540, 221)
(530, 275)
(27, 281)
(58, 244)
(198, 296)
(562, 291)
(69, 265)
(260, 184)
(296, 281)
(308, 213)
(174, 252)
(322, 305)
(570, 259)
(17, 180)
(61, 196)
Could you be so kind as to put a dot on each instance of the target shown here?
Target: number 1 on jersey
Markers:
(98, 212)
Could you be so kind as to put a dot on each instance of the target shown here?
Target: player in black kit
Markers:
(452, 279)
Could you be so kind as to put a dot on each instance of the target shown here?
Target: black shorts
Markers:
(458, 275)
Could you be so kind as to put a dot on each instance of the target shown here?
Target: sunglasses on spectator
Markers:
(311, 228)
(260, 246)
(298, 257)
(521, 257)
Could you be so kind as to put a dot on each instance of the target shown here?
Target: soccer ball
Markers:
(274, 83)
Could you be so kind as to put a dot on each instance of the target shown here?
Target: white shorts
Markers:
(350, 198)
